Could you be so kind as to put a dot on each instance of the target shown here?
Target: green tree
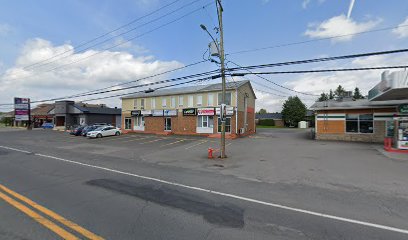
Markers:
(357, 94)
(339, 92)
(331, 94)
(262, 111)
(293, 111)
(323, 97)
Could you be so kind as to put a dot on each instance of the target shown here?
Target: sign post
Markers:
(22, 111)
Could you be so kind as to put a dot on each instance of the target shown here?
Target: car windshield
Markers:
(99, 128)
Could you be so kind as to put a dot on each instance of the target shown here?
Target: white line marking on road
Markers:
(156, 140)
(204, 141)
(182, 140)
(323, 215)
(15, 149)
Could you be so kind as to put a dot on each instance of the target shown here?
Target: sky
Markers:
(43, 56)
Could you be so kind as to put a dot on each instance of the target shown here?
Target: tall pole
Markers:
(222, 58)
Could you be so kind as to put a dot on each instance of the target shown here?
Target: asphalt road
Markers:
(116, 195)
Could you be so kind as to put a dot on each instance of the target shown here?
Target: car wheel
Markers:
(99, 135)
(117, 133)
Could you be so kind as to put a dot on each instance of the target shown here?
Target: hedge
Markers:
(266, 122)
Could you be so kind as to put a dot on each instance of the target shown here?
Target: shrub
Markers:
(266, 122)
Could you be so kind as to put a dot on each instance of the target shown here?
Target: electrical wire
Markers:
(123, 33)
(105, 34)
(314, 40)
(121, 43)
(324, 59)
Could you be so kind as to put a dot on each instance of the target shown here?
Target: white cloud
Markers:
(104, 69)
(305, 3)
(402, 30)
(339, 25)
(5, 29)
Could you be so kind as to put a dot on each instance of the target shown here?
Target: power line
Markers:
(121, 43)
(131, 87)
(322, 70)
(140, 79)
(123, 33)
(274, 83)
(106, 34)
(314, 40)
(324, 59)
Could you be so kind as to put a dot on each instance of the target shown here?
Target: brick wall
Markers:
(377, 136)
(154, 124)
(331, 126)
(184, 124)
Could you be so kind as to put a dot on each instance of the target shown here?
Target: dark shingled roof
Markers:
(268, 116)
(99, 110)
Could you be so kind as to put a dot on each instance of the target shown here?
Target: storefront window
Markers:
(227, 124)
(359, 123)
(389, 126)
(205, 121)
(128, 123)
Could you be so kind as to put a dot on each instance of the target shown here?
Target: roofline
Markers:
(345, 108)
(200, 91)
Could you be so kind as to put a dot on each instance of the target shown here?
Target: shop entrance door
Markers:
(167, 124)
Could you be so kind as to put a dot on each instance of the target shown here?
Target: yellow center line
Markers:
(204, 141)
(156, 140)
(40, 219)
(53, 215)
(182, 140)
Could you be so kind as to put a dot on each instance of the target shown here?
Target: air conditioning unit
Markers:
(241, 130)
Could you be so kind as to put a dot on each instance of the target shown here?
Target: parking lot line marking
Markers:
(137, 139)
(182, 140)
(37, 217)
(203, 141)
(233, 196)
(51, 214)
(15, 149)
(114, 138)
(156, 140)
(228, 144)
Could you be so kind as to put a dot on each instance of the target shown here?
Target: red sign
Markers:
(205, 111)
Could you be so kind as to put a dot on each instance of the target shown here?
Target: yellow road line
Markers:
(156, 140)
(204, 141)
(40, 219)
(173, 142)
(52, 214)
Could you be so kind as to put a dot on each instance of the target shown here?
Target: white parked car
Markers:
(104, 131)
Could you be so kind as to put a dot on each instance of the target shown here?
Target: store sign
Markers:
(135, 113)
(157, 113)
(146, 112)
(190, 112)
(170, 112)
(229, 110)
(22, 109)
(403, 108)
(205, 112)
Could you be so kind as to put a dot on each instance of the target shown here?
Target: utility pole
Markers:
(222, 58)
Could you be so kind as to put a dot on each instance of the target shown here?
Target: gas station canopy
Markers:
(393, 86)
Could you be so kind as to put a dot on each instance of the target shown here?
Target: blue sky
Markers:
(31, 32)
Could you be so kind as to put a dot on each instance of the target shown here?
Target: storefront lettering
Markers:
(190, 112)
(206, 111)
(403, 108)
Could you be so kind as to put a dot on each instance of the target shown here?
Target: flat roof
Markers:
(357, 104)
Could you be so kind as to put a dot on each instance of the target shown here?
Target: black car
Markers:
(88, 129)
(78, 130)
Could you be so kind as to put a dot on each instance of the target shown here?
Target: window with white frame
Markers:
(142, 103)
(191, 101)
(135, 104)
(227, 98)
(173, 102)
(199, 100)
(164, 102)
(205, 121)
(180, 101)
(359, 123)
(153, 103)
(210, 100)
